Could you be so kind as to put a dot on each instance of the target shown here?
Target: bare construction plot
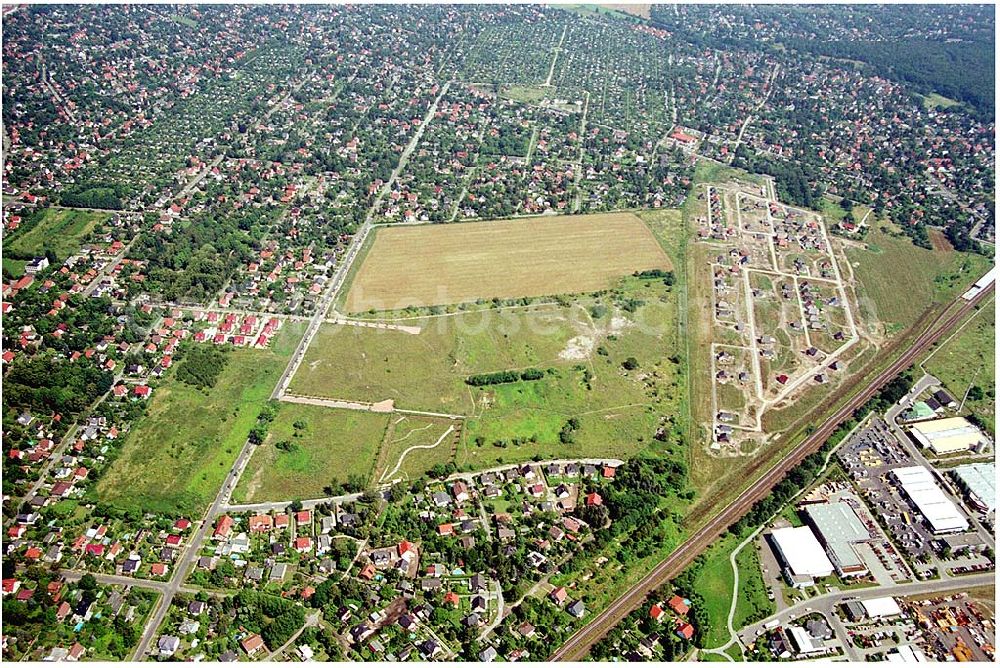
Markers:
(429, 265)
(781, 319)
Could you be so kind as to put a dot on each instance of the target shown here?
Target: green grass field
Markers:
(580, 346)
(329, 445)
(427, 371)
(414, 445)
(900, 281)
(715, 584)
(970, 357)
(752, 603)
(14, 267)
(177, 455)
(529, 94)
(937, 100)
(61, 230)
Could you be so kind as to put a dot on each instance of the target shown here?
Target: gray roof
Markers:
(838, 526)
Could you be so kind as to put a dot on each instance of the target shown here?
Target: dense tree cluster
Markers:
(276, 619)
(501, 377)
(51, 384)
(201, 366)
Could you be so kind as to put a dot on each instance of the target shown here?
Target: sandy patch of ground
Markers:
(582, 346)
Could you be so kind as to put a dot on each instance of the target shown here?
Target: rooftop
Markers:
(937, 509)
(801, 552)
(981, 481)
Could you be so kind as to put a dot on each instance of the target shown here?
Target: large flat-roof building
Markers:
(839, 528)
(803, 556)
(923, 491)
(949, 435)
(979, 483)
(881, 608)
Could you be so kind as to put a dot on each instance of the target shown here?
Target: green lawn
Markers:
(14, 267)
(715, 584)
(178, 454)
(329, 445)
(61, 230)
(970, 357)
(900, 281)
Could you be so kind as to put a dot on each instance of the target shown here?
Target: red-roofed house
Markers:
(679, 605)
(223, 527)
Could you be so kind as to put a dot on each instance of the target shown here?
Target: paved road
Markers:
(123, 580)
(828, 602)
(579, 644)
(190, 554)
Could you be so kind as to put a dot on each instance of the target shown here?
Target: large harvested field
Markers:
(431, 265)
(328, 445)
(178, 454)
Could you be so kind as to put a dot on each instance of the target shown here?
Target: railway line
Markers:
(579, 644)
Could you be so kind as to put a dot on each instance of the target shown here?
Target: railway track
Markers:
(579, 644)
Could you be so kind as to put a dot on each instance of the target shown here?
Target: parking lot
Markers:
(868, 457)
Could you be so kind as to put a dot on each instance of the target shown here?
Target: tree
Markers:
(88, 583)
(631, 363)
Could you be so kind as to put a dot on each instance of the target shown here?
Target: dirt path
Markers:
(399, 462)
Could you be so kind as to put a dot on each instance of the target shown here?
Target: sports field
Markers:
(320, 446)
(177, 455)
(430, 265)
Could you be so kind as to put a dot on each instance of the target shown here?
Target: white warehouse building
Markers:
(941, 514)
(804, 558)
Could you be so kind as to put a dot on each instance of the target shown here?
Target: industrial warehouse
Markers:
(949, 435)
(919, 485)
(803, 556)
(979, 483)
(839, 529)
